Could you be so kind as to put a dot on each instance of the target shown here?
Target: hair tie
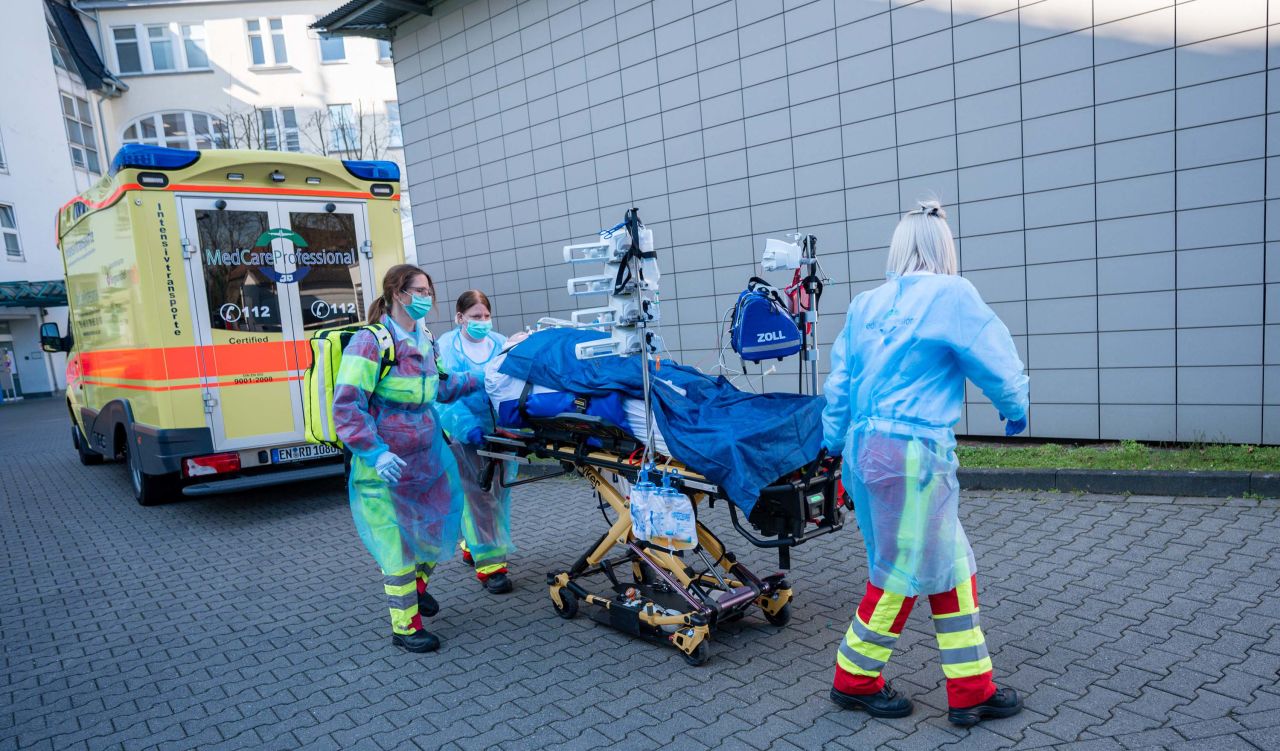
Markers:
(929, 210)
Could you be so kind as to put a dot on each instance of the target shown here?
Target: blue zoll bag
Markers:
(762, 328)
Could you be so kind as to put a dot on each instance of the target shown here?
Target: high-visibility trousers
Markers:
(485, 570)
(878, 623)
(403, 589)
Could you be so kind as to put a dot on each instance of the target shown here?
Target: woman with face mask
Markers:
(406, 493)
(486, 518)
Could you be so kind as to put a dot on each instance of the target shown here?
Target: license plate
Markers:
(302, 453)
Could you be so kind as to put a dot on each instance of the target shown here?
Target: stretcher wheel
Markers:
(780, 618)
(570, 601)
(700, 655)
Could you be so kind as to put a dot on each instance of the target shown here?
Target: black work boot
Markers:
(884, 703)
(498, 584)
(1003, 703)
(418, 641)
(427, 605)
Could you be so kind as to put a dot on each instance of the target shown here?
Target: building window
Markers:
(266, 41)
(80, 135)
(342, 128)
(178, 130)
(9, 229)
(394, 138)
(277, 40)
(4, 165)
(279, 130)
(384, 50)
(270, 136)
(162, 53)
(193, 45)
(128, 56)
(61, 57)
(161, 43)
(289, 129)
(332, 49)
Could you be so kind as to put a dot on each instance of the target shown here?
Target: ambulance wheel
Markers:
(780, 618)
(700, 655)
(88, 457)
(570, 608)
(148, 490)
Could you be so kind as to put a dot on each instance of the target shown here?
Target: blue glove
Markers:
(389, 467)
(1014, 427)
(475, 436)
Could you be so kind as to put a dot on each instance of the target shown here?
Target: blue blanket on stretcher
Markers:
(742, 442)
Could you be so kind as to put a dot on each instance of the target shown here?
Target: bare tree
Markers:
(241, 128)
(353, 131)
(349, 131)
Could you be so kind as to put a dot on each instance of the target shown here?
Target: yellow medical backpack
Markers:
(321, 377)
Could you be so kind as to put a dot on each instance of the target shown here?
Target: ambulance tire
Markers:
(148, 490)
(88, 456)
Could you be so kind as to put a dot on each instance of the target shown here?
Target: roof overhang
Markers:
(376, 19)
(50, 294)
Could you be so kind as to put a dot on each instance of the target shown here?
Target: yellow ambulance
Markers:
(194, 280)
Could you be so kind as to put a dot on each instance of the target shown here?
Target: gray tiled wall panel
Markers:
(1111, 169)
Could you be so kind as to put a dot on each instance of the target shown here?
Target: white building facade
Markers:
(1108, 166)
(249, 75)
(50, 149)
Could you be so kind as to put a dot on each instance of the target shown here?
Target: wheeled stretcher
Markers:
(660, 595)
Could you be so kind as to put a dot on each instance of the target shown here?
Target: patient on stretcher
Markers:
(506, 392)
(740, 441)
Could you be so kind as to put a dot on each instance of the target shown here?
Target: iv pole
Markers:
(636, 261)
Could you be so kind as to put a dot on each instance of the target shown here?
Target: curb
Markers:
(1119, 482)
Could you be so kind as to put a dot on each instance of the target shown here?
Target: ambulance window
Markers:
(239, 277)
(331, 291)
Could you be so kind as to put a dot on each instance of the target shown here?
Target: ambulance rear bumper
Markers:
(267, 479)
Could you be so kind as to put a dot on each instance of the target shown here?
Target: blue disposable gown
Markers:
(486, 516)
(416, 519)
(895, 390)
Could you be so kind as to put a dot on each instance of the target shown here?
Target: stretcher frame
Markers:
(668, 600)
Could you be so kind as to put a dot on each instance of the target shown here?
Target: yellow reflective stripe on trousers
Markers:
(844, 660)
(960, 639)
(915, 512)
(490, 568)
(886, 612)
(967, 669)
(866, 648)
(402, 599)
(397, 590)
(963, 650)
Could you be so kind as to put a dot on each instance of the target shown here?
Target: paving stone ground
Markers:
(257, 621)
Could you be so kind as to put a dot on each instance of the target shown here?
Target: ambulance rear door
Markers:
(236, 257)
(329, 268)
(272, 272)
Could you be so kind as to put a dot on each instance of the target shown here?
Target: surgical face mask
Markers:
(418, 307)
(479, 329)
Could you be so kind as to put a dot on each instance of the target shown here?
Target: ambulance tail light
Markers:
(213, 464)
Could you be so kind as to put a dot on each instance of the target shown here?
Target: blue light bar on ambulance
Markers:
(143, 156)
(372, 169)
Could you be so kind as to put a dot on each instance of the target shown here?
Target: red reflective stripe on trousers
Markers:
(869, 601)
